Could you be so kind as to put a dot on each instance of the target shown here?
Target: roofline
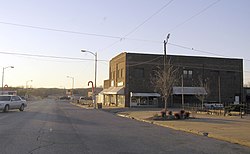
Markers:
(182, 56)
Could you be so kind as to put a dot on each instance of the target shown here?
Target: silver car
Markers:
(8, 102)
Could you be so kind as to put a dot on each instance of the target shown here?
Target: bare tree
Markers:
(163, 81)
(201, 96)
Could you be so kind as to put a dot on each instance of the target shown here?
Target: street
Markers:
(51, 127)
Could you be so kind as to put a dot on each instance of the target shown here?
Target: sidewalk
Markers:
(228, 128)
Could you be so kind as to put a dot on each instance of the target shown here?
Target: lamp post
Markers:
(95, 54)
(72, 84)
(27, 83)
(3, 75)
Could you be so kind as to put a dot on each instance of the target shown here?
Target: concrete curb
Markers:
(231, 140)
(219, 137)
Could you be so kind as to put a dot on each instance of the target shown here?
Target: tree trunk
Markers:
(165, 107)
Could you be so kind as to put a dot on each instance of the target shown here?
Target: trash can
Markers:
(99, 105)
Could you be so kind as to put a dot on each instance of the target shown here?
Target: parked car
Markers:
(64, 98)
(83, 100)
(236, 108)
(213, 106)
(8, 102)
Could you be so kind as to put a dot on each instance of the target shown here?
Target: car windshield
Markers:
(5, 98)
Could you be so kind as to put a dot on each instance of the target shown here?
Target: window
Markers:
(15, 98)
(118, 73)
(122, 72)
(5, 98)
(190, 73)
(187, 74)
(113, 75)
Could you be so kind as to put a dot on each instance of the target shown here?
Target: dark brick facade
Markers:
(133, 71)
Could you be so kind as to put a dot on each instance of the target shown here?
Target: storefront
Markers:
(144, 99)
(185, 96)
(113, 96)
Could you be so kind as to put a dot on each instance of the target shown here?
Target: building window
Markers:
(122, 72)
(118, 73)
(187, 74)
(113, 75)
(190, 74)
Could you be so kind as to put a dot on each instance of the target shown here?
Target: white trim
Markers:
(144, 94)
(189, 90)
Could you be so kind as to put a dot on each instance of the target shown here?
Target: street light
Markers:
(28, 82)
(3, 75)
(72, 83)
(95, 54)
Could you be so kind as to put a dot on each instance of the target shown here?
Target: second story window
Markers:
(122, 72)
(190, 74)
(187, 74)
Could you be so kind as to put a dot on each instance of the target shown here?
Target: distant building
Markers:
(129, 82)
(6, 92)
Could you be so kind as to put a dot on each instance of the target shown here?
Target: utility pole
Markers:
(182, 92)
(165, 50)
(165, 59)
(219, 87)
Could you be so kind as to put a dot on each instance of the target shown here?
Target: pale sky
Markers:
(61, 28)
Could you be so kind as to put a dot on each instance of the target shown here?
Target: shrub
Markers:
(163, 113)
(187, 114)
(182, 112)
(177, 115)
(170, 113)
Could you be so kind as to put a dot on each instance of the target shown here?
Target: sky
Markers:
(43, 39)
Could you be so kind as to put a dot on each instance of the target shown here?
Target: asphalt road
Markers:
(57, 127)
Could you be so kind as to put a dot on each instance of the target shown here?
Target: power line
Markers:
(195, 15)
(144, 62)
(149, 62)
(150, 17)
(141, 24)
(45, 56)
(189, 48)
(59, 30)
(201, 51)
(78, 33)
(210, 67)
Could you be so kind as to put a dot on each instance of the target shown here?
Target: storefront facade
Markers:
(130, 75)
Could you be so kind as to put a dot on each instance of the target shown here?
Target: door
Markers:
(15, 102)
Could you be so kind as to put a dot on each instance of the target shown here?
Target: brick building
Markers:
(130, 76)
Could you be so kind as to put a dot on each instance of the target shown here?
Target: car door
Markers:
(15, 102)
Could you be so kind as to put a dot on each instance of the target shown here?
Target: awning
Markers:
(144, 94)
(113, 91)
(189, 90)
(103, 91)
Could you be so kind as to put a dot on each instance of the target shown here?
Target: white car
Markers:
(8, 102)
(213, 106)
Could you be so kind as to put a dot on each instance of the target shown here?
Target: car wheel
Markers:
(6, 108)
(21, 108)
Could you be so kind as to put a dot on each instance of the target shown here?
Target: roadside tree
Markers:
(163, 81)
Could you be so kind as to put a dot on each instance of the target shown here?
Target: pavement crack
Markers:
(40, 147)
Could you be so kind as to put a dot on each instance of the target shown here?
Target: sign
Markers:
(236, 99)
